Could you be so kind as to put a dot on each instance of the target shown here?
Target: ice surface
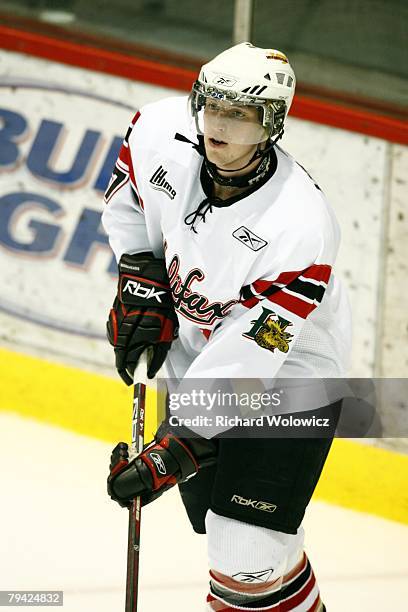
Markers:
(59, 530)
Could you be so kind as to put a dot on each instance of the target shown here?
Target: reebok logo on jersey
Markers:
(136, 288)
(251, 240)
(254, 503)
(159, 182)
(159, 463)
(251, 577)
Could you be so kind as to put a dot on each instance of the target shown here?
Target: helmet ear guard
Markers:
(274, 116)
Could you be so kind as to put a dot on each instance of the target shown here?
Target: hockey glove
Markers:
(142, 316)
(167, 461)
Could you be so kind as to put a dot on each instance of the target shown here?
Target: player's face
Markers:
(231, 134)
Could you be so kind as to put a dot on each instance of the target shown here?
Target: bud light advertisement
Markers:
(58, 146)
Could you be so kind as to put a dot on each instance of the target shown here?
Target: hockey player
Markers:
(225, 247)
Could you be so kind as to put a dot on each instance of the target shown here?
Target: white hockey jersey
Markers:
(253, 286)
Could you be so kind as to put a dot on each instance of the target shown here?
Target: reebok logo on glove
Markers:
(139, 290)
(159, 463)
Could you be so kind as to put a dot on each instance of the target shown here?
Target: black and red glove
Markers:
(167, 461)
(142, 316)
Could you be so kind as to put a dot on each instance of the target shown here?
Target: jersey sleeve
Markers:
(257, 337)
(123, 215)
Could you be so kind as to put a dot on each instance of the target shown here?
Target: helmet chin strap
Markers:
(244, 180)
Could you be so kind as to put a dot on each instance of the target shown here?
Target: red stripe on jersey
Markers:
(317, 605)
(136, 117)
(292, 602)
(214, 603)
(268, 587)
(126, 158)
(250, 302)
(318, 272)
(124, 155)
(206, 332)
(262, 285)
(219, 606)
(284, 605)
(296, 571)
(284, 279)
(292, 303)
(133, 180)
(265, 587)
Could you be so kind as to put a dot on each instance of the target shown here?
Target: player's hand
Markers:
(119, 462)
(142, 316)
(165, 462)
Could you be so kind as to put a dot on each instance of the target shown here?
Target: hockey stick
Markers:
(132, 578)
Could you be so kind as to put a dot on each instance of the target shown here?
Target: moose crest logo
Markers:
(269, 332)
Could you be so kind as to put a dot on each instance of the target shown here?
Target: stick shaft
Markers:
(135, 516)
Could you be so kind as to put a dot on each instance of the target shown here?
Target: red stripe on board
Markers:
(292, 303)
(345, 118)
(130, 67)
(92, 58)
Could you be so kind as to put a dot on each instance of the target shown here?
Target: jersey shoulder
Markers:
(158, 122)
(297, 177)
(301, 195)
(296, 215)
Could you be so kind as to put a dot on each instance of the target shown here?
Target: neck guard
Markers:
(245, 180)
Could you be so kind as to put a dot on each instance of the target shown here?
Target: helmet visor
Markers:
(229, 121)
